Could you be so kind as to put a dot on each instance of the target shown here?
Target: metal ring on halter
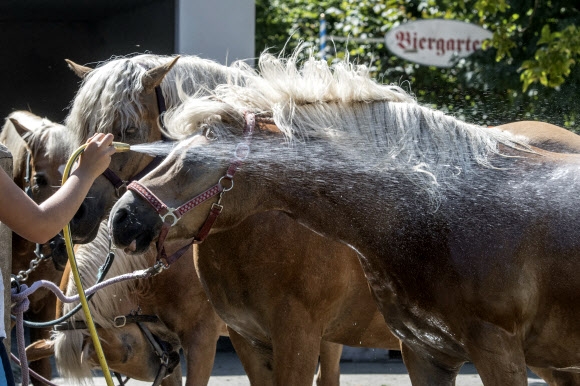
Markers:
(244, 148)
(170, 213)
(224, 189)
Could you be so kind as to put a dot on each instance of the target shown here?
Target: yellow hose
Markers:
(121, 147)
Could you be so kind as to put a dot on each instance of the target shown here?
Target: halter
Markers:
(118, 183)
(170, 216)
(161, 351)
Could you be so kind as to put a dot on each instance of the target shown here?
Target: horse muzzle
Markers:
(133, 225)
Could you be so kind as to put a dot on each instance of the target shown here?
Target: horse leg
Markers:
(296, 347)
(173, 379)
(498, 355)
(329, 367)
(257, 361)
(199, 349)
(557, 377)
(424, 370)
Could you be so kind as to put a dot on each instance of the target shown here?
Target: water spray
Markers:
(120, 147)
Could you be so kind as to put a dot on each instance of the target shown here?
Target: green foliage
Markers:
(526, 71)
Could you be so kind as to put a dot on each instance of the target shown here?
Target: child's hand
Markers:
(97, 155)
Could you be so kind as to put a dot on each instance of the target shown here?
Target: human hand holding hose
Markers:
(96, 156)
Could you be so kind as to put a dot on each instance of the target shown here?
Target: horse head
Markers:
(193, 177)
(126, 97)
(122, 98)
(136, 342)
(40, 150)
(130, 352)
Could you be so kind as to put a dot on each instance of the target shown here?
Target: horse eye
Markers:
(40, 180)
(130, 131)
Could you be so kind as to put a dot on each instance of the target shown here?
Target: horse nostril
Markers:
(120, 216)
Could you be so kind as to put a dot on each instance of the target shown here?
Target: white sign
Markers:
(435, 42)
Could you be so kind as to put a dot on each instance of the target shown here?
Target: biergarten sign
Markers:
(436, 42)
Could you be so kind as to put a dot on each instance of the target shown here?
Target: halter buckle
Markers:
(121, 189)
(120, 321)
(170, 212)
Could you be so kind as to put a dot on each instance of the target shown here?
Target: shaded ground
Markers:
(228, 371)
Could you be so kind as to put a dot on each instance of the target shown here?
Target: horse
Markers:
(465, 233)
(123, 93)
(126, 97)
(39, 151)
(140, 323)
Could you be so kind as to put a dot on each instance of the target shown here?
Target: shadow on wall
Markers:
(38, 35)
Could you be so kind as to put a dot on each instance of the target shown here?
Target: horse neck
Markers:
(315, 188)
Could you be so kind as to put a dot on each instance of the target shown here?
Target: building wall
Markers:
(222, 30)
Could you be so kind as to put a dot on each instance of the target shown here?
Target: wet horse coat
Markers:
(466, 235)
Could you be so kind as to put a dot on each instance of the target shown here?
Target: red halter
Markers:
(171, 216)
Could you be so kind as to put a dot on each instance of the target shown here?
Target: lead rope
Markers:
(34, 374)
(20, 303)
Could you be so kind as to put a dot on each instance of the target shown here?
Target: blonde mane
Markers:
(105, 303)
(45, 139)
(111, 91)
(352, 111)
(50, 140)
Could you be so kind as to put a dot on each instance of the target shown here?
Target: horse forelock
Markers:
(111, 91)
(51, 141)
(107, 93)
(68, 347)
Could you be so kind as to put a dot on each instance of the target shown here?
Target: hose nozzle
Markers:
(121, 147)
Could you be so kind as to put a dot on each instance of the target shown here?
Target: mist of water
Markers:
(154, 149)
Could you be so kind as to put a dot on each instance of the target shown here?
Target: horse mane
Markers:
(49, 140)
(104, 304)
(112, 89)
(344, 105)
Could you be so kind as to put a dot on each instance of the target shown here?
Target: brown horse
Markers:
(250, 270)
(185, 319)
(38, 147)
(466, 235)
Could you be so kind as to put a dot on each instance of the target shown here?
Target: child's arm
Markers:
(39, 223)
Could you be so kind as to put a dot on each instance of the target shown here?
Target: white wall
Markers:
(222, 30)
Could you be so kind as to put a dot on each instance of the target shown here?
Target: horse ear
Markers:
(154, 76)
(81, 71)
(20, 129)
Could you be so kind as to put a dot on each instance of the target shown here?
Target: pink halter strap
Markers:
(170, 216)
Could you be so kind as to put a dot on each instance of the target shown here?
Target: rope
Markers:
(103, 270)
(20, 304)
(33, 373)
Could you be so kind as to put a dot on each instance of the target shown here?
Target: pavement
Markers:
(228, 371)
